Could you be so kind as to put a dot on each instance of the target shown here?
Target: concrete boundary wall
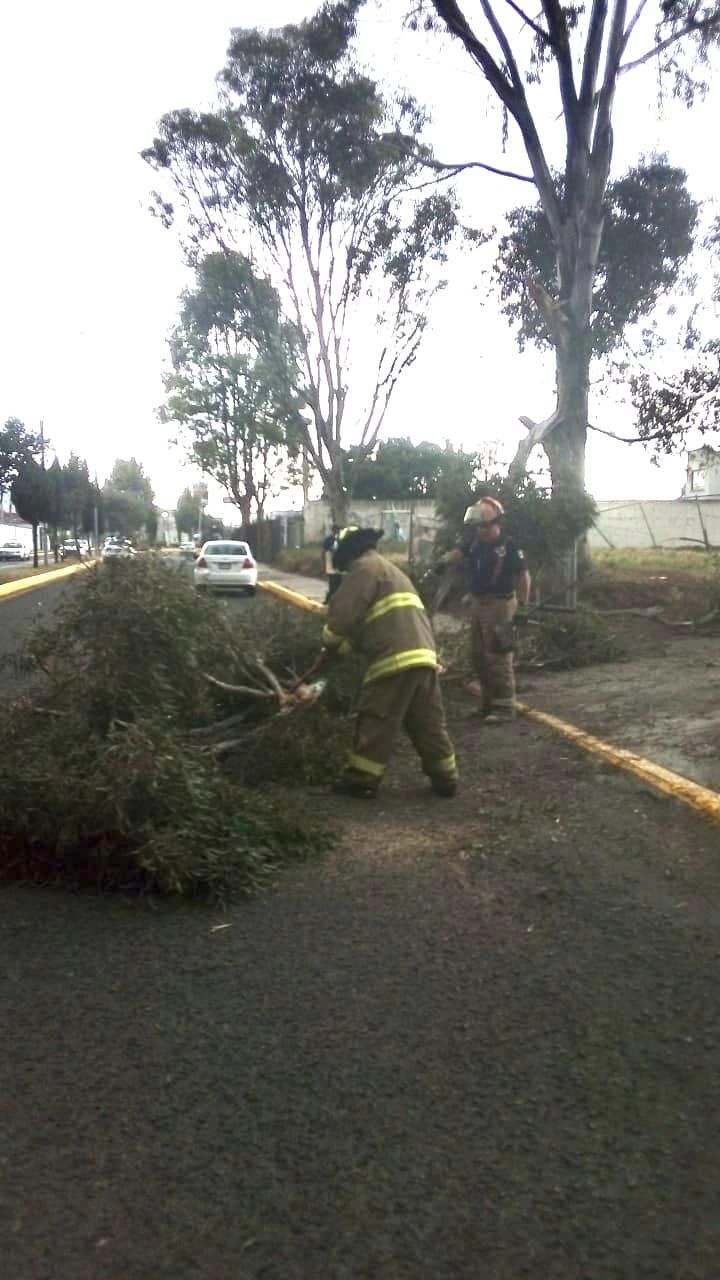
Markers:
(682, 523)
(677, 522)
(366, 512)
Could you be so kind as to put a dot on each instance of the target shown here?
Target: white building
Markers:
(12, 528)
(703, 473)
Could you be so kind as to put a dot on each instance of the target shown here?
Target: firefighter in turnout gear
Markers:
(377, 612)
(499, 580)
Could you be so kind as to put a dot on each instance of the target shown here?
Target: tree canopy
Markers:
(306, 167)
(32, 497)
(187, 514)
(648, 235)
(232, 385)
(128, 499)
(399, 470)
(18, 447)
(563, 66)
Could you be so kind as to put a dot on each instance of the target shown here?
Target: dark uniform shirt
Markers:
(494, 567)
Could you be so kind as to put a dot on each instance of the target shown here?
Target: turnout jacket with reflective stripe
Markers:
(377, 612)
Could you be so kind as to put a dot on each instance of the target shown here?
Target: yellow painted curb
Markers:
(703, 799)
(700, 798)
(8, 589)
(293, 597)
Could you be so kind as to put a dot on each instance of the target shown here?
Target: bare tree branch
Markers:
(633, 23)
(593, 50)
(511, 94)
(451, 170)
(539, 31)
(704, 26)
(560, 42)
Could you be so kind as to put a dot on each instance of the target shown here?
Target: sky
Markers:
(91, 280)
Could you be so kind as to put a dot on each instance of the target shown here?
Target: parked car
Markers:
(118, 549)
(13, 551)
(188, 548)
(226, 564)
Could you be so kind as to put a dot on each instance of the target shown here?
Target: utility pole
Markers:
(96, 520)
(305, 476)
(42, 463)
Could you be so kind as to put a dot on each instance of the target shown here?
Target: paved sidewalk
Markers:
(313, 588)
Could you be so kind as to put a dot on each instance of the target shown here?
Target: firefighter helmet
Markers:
(485, 511)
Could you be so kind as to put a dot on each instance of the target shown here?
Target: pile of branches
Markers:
(549, 641)
(151, 735)
(561, 641)
(261, 697)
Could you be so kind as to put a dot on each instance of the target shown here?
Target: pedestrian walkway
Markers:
(313, 588)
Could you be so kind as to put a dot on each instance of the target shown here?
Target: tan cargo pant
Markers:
(411, 701)
(494, 670)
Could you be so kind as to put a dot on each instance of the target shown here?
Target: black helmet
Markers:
(353, 542)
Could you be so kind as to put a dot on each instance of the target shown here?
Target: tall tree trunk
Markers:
(565, 450)
(35, 545)
(565, 444)
(245, 504)
(337, 495)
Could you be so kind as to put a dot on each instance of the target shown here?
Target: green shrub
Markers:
(544, 524)
(308, 561)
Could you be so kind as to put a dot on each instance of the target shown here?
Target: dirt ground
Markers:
(662, 702)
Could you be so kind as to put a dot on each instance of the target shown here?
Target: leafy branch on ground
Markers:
(103, 778)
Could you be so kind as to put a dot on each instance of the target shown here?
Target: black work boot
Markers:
(446, 787)
(500, 715)
(355, 788)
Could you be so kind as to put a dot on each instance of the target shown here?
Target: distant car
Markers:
(118, 549)
(226, 564)
(13, 551)
(187, 548)
(71, 550)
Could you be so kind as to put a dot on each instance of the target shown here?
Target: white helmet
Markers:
(484, 511)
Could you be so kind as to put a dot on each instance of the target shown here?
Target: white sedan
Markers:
(118, 549)
(226, 564)
(13, 551)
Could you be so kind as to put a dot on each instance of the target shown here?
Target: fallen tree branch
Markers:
(241, 688)
(219, 726)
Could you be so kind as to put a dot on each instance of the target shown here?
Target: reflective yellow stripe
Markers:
(331, 639)
(400, 662)
(446, 765)
(363, 765)
(397, 600)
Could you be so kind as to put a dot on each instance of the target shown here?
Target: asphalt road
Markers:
(18, 614)
(481, 1041)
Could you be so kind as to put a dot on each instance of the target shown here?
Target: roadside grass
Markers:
(15, 573)
(651, 561)
(684, 584)
(309, 561)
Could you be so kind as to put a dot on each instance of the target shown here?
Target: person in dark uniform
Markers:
(329, 548)
(499, 580)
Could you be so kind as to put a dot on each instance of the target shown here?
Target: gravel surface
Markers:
(482, 1040)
